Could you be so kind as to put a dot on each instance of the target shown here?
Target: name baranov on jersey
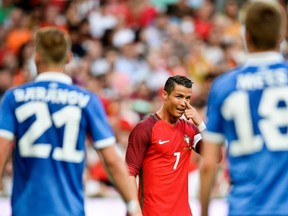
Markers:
(53, 95)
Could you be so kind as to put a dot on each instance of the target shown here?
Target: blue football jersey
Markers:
(248, 110)
(49, 120)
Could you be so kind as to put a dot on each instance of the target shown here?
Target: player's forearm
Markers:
(4, 154)
(118, 172)
(134, 186)
(207, 177)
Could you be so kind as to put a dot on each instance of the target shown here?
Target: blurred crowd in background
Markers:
(124, 50)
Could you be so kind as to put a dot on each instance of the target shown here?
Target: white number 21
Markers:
(69, 117)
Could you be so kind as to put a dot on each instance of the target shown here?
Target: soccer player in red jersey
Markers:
(159, 151)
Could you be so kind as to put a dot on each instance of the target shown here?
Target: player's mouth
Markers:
(181, 111)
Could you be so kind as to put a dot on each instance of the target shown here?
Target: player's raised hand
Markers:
(191, 113)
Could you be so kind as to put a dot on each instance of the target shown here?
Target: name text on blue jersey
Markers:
(261, 79)
(53, 95)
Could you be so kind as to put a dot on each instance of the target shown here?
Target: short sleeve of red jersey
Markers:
(138, 143)
(197, 142)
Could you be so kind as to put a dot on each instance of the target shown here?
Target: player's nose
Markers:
(183, 103)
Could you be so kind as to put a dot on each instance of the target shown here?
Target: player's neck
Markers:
(165, 116)
(51, 68)
(253, 49)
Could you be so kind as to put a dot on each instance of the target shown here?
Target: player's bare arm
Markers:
(134, 186)
(5, 146)
(208, 168)
(120, 177)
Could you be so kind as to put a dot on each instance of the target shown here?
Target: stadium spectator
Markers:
(5, 80)
(18, 33)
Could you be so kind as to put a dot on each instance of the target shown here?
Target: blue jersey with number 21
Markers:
(248, 108)
(49, 120)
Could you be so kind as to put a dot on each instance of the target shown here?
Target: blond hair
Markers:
(53, 45)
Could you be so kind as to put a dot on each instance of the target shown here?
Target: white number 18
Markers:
(272, 117)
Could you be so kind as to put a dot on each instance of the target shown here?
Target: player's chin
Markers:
(178, 113)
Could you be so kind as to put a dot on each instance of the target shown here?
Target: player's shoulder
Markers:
(81, 90)
(94, 99)
(52, 85)
(231, 74)
(23, 86)
(227, 79)
(186, 122)
(75, 87)
(11, 90)
(225, 84)
(148, 120)
(147, 123)
(282, 65)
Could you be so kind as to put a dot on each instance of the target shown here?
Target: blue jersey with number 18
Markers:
(248, 109)
(49, 120)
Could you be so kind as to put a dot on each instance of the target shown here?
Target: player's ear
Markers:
(37, 57)
(164, 95)
(69, 57)
(248, 40)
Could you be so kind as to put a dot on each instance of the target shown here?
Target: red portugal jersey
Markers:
(159, 154)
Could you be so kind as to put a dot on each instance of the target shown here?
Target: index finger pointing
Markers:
(188, 105)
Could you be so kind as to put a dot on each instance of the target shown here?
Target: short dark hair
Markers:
(264, 23)
(177, 79)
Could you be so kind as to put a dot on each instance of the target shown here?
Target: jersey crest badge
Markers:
(187, 140)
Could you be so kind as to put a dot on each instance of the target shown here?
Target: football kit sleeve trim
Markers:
(105, 143)
(197, 138)
(6, 134)
(201, 127)
(213, 137)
